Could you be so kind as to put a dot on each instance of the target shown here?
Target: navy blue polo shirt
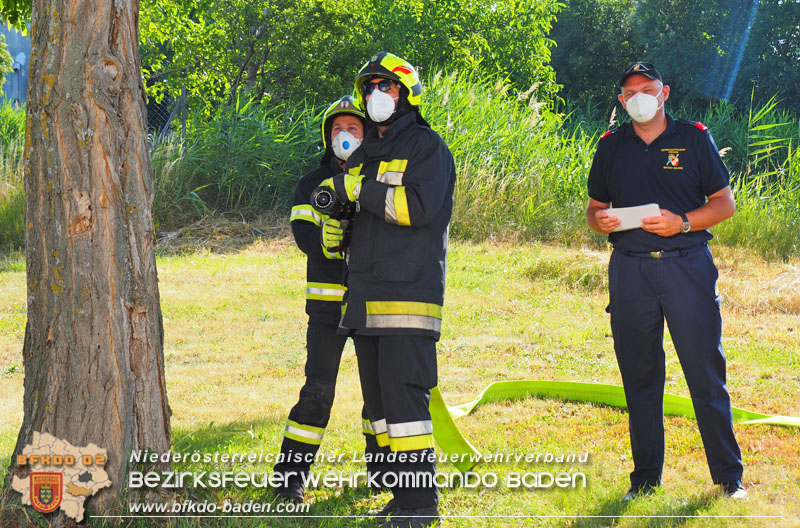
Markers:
(677, 171)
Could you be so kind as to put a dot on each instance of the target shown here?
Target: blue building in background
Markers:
(15, 87)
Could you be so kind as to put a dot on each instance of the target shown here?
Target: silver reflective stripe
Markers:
(404, 321)
(332, 255)
(305, 212)
(379, 427)
(391, 178)
(325, 291)
(367, 427)
(422, 427)
(302, 432)
(391, 213)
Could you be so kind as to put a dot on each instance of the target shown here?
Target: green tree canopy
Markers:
(288, 49)
(700, 47)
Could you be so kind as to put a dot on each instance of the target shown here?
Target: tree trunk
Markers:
(93, 351)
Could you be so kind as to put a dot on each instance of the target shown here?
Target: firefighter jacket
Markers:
(324, 270)
(398, 246)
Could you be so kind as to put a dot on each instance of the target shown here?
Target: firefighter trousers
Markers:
(397, 373)
(308, 419)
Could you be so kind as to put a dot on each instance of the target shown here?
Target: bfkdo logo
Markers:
(47, 490)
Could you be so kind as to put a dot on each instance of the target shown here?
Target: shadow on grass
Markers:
(611, 511)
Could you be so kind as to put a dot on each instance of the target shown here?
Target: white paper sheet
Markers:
(631, 217)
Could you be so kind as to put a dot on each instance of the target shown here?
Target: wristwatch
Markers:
(685, 226)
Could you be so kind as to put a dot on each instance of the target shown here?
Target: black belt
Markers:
(680, 252)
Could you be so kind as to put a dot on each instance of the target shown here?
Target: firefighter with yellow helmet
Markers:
(401, 180)
(342, 132)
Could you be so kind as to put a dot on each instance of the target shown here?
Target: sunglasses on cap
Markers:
(385, 85)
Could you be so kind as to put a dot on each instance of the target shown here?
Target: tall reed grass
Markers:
(12, 185)
(520, 173)
(522, 166)
(246, 159)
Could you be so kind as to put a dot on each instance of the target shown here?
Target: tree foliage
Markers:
(221, 50)
(6, 61)
(699, 47)
(506, 37)
(593, 40)
(287, 49)
(15, 12)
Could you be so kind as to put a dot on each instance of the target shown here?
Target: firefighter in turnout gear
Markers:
(402, 179)
(342, 130)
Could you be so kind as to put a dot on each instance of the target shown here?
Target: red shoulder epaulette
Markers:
(701, 126)
(608, 133)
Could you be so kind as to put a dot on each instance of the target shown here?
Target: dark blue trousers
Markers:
(397, 373)
(681, 288)
(312, 411)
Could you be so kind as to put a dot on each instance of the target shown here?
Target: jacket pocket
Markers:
(397, 271)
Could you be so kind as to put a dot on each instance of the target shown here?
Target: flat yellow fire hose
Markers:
(452, 442)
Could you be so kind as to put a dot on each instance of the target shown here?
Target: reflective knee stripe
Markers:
(411, 443)
(366, 427)
(404, 314)
(382, 439)
(307, 434)
(391, 172)
(422, 427)
(379, 426)
(397, 206)
(307, 213)
(410, 436)
(379, 429)
(325, 291)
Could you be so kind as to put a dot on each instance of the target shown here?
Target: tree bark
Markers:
(93, 351)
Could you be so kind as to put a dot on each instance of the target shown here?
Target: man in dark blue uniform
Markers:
(402, 179)
(665, 270)
(342, 131)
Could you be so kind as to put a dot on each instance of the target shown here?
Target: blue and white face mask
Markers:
(345, 144)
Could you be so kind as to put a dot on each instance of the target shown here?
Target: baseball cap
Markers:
(642, 68)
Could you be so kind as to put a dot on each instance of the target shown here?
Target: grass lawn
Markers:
(235, 331)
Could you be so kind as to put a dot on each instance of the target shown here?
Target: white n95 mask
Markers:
(642, 107)
(380, 106)
(344, 144)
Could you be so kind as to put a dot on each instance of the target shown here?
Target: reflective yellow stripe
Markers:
(382, 439)
(308, 214)
(324, 291)
(366, 427)
(391, 172)
(401, 206)
(307, 434)
(411, 443)
(404, 307)
(355, 171)
(404, 314)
